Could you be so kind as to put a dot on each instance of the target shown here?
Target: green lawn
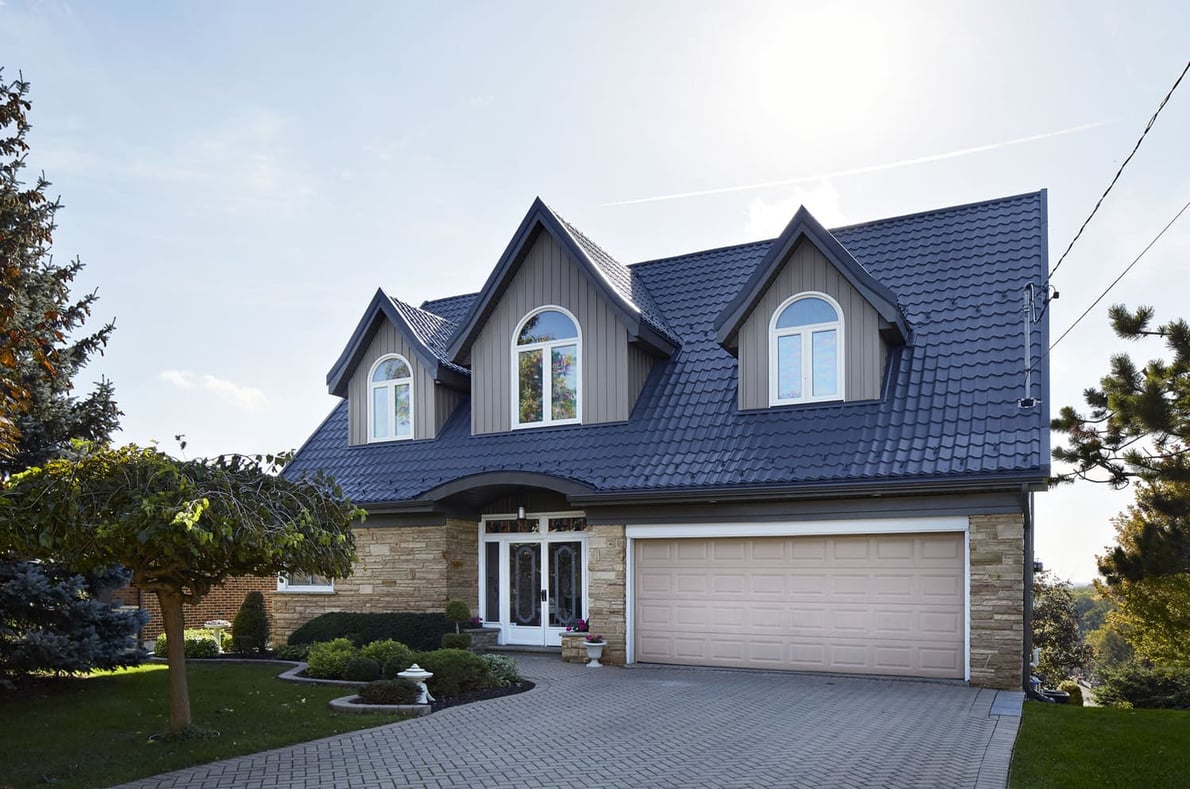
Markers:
(1060, 745)
(95, 731)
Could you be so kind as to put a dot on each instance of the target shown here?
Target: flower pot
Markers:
(594, 652)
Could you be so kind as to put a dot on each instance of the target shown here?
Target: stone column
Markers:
(997, 600)
(606, 569)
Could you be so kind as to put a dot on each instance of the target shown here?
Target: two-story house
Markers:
(815, 452)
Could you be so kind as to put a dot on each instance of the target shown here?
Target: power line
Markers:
(1136, 147)
(1135, 260)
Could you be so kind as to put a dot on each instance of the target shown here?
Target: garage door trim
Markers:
(794, 529)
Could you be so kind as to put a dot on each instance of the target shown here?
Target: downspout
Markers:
(1027, 575)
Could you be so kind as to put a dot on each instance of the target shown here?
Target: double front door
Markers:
(534, 581)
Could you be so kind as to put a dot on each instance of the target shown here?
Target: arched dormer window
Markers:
(390, 401)
(806, 350)
(546, 372)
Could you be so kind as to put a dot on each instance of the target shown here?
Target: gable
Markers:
(550, 275)
(806, 269)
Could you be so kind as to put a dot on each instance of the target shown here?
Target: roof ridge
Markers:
(723, 248)
(936, 211)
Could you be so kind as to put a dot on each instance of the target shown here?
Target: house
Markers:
(815, 452)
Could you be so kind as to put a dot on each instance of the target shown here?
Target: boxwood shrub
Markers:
(361, 669)
(417, 631)
(456, 671)
(456, 641)
(328, 658)
(200, 643)
(389, 691)
(386, 650)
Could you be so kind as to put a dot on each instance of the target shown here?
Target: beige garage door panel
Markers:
(880, 604)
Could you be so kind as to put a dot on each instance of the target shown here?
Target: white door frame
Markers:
(537, 635)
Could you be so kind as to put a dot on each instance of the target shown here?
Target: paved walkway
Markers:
(665, 727)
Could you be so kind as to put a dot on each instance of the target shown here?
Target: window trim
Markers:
(391, 385)
(547, 377)
(807, 331)
(283, 585)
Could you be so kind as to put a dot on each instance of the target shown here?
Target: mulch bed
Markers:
(481, 695)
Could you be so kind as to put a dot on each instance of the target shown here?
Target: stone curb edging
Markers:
(346, 704)
(291, 675)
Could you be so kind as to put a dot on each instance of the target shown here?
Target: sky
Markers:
(239, 178)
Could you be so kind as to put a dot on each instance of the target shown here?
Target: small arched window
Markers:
(390, 401)
(546, 371)
(806, 350)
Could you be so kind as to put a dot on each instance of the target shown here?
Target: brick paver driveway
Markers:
(655, 726)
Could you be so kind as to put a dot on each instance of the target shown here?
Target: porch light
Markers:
(520, 513)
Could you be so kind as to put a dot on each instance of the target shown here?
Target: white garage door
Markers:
(870, 604)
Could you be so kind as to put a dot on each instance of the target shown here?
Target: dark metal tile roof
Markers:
(949, 413)
(433, 330)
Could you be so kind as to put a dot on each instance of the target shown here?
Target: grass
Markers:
(94, 731)
(1061, 745)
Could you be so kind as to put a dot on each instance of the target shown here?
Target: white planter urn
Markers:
(594, 652)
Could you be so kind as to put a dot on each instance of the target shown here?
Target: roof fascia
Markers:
(541, 218)
(981, 483)
(379, 308)
(804, 226)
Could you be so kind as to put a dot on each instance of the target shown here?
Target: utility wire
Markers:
(1117, 279)
(1087, 221)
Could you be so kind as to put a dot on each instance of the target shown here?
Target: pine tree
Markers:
(39, 357)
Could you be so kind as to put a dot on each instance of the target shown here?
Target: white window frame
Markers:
(283, 585)
(391, 385)
(807, 334)
(547, 378)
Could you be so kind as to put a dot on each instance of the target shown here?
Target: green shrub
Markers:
(396, 664)
(250, 630)
(501, 670)
(361, 669)
(200, 643)
(1074, 689)
(418, 631)
(291, 651)
(389, 691)
(456, 641)
(457, 612)
(328, 658)
(386, 650)
(1158, 687)
(456, 671)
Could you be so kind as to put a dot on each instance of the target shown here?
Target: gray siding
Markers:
(547, 275)
(389, 340)
(446, 400)
(640, 364)
(864, 350)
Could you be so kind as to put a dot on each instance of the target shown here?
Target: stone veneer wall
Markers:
(606, 569)
(997, 600)
(399, 568)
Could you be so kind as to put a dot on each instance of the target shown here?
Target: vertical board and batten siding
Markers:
(864, 350)
(548, 276)
(388, 341)
(640, 364)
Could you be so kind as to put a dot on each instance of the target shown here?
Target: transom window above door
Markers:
(806, 350)
(390, 405)
(547, 374)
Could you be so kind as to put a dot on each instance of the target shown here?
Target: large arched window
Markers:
(546, 374)
(390, 400)
(806, 350)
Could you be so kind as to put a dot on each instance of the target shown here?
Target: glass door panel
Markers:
(524, 588)
(566, 583)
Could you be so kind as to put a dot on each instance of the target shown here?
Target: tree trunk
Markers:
(175, 642)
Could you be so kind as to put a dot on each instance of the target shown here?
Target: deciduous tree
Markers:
(1056, 631)
(181, 527)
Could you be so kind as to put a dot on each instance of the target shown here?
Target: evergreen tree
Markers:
(39, 356)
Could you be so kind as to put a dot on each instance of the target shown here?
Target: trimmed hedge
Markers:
(456, 671)
(389, 691)
(200, 643)
(417, 631)
(456, 641)
(361, 669)
(1133, 685)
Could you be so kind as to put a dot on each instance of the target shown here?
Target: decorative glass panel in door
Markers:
(566, 583)
(524, 588)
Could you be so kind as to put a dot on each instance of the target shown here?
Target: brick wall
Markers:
(997, 600)
(222, 602)
(399, 568)
(606, 568)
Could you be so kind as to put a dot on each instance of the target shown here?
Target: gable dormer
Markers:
(394, 375)
(561, 333)
(811, 324)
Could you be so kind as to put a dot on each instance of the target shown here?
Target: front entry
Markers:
(533, 576)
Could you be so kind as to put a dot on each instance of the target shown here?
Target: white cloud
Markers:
(248, 398)
(767, 219)
(182, 379)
